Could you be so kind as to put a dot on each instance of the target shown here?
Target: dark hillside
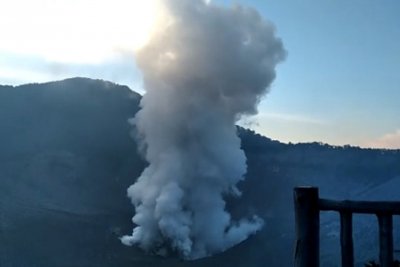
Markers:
(67, 158)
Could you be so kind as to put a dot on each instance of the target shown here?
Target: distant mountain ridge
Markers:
(67, 158)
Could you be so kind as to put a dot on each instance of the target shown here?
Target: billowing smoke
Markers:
(205, 69)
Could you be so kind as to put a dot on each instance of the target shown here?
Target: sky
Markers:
(339, 83)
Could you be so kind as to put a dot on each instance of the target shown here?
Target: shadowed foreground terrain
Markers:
(67, 158)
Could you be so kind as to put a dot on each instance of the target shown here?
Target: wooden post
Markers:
(307, 227)
(385, 239)
(346, 239)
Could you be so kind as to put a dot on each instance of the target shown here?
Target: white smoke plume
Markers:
(205, 69)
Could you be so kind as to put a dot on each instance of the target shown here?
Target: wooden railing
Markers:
(307, 208)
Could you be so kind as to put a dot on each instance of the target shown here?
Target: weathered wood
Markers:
(369, 207)
(385, 239)
(307, 208)
(346, 239)
(307, 227)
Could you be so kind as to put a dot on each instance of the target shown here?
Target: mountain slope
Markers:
(67, 158)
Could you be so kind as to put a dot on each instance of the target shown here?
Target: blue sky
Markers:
(338, 85)
(340, 82)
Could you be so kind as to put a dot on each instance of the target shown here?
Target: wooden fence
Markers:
(307, 208)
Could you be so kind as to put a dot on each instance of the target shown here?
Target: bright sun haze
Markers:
(338, 85)
(76, 31)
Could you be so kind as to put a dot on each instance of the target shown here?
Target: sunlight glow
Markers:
(76, 31)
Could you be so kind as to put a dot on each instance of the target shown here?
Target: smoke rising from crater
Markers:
(205, 69)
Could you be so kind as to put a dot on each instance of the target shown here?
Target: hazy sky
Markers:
(339, 83)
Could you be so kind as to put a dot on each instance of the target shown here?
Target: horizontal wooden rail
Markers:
(366, 207)
(308, 205)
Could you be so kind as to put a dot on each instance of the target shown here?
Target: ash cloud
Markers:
(202, 72)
